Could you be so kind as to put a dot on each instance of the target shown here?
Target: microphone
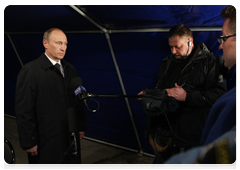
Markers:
(80, 91)
(72, 126)
(76, 86)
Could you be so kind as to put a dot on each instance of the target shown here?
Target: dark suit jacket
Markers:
(42, 99)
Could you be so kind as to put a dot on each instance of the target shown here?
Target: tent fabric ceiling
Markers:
(41, 17)
(154, 16)
(138, 55)
(38, 18)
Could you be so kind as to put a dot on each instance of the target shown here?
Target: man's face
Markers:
(179, 46)
(56, 46)
(228, 47)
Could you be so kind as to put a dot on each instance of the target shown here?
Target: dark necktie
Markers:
(59, 68)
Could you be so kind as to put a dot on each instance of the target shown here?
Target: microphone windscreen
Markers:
(72, 125)
(75, 82)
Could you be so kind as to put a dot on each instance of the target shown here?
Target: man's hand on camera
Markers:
(177, 92)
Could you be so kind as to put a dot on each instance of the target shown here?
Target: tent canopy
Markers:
(116, 49)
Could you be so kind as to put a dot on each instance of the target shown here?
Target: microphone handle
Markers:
(112, 96)
(90, 95)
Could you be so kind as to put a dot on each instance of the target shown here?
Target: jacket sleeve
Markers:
(25, 107)
(212, 89)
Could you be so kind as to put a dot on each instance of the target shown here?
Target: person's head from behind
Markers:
(228, 38)
(55, 43)
(180, 40)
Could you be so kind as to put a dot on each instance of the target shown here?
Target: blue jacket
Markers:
(195, 155)
(222, 116)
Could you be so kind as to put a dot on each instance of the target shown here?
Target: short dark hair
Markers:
(229, 12)
(47, 33)
(181, 31)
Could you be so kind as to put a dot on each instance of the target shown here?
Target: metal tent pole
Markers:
(124, 92)
(15, 49)
(88, 18)
(164, 30)
(117, 69)
(125, 31)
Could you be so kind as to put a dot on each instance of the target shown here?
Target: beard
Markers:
(179, 56)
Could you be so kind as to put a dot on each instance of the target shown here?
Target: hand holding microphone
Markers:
(141, 93)
(81, 134)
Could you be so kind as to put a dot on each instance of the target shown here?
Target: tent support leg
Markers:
(15, 49)
(117, 69)
(124, 92)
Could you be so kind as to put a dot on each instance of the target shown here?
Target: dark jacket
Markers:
(42, 99)
(199, 79)
(222, 116)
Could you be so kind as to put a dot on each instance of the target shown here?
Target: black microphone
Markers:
(76, 86)
(80, 91)
(75, 146)
(72, 126)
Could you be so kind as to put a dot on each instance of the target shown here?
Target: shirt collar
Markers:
(52, 61)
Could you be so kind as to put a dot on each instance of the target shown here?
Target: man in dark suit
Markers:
(43, 95)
